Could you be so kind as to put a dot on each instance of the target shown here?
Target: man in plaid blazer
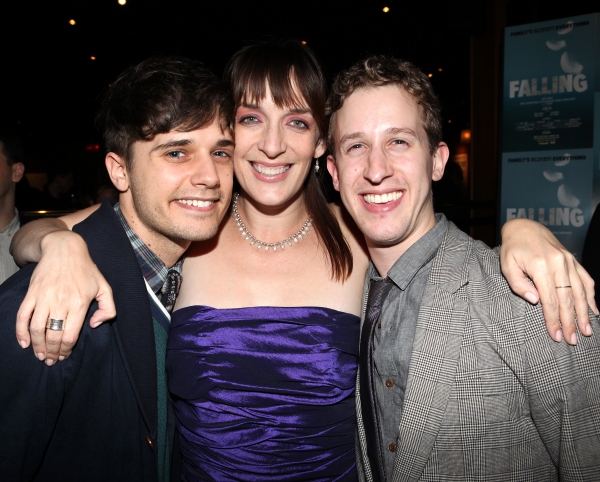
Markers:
(458, 379)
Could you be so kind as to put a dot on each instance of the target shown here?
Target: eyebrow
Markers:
(391, 130)
(173, 143)
(187, 142)
(295, 110)
(402, 130)
(225, 143)
(352, 136)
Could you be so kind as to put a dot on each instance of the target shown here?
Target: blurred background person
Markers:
(11, 172)
(57, 195)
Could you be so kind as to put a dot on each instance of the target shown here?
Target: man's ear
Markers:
(440, 158)
(332, 168)
(18, 170)
(320, 148)
(117, 171)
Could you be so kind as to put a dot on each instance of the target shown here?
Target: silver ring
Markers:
(567, 286)
(55, 325)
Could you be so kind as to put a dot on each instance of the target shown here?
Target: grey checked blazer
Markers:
(489, 395)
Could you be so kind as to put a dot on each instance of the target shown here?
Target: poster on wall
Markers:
(551, 124)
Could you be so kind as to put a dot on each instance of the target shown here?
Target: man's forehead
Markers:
(372, 107)
(382, 93)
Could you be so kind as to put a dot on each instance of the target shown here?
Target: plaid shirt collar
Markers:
(153, 269)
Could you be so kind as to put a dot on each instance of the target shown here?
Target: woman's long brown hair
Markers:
(295, 79)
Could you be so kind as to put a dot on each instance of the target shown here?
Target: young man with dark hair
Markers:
(11, 172)
(104, 413)
(458, 379)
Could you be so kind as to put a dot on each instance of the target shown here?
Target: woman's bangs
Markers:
(280, 80)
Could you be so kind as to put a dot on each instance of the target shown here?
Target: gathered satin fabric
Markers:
(264, 393)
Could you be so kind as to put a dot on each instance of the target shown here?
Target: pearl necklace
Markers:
(249, 237)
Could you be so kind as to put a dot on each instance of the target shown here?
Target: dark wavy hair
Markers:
(381, 70)
(295, 79)
(159, 95)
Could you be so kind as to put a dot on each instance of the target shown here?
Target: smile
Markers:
(269, 171)
(382, 198)
(195, 202)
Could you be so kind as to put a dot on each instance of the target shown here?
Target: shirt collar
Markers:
(154, 270)
(13, 226)
(417, 256)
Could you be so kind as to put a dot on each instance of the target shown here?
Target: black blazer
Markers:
(94, 415)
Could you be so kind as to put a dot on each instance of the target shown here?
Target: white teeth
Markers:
(195, 202)
(270, 171)
(382, 198)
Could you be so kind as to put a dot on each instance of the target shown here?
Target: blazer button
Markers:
(150, 443)
(392, 447)
(389, 383)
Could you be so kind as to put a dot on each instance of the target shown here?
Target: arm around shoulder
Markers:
(27, 245)
(564, 288)
(63, 285)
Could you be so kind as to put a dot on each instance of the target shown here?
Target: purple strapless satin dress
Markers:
(264, 393)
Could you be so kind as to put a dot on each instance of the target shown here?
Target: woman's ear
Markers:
(320, 148)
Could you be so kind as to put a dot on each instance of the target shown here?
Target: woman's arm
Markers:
(565, 289)
(62, 286)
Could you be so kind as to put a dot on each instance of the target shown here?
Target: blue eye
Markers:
(299, 123)
(221, 154)
(248, 119)
(175, 154)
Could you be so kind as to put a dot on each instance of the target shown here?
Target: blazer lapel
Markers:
(434, 359)
(113, 254)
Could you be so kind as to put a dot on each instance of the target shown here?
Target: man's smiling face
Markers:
(178, 185)
(383, 166)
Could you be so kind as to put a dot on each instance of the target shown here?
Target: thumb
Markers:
(520, 283)
(106, 306)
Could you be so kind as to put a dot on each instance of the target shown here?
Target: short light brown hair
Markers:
(379, 71)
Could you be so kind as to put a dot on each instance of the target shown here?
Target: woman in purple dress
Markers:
(262, 352)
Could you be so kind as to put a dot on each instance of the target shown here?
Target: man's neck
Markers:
(167, 250)
(7, 210)
(385, 256)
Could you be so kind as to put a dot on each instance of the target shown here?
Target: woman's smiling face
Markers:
(274, 149)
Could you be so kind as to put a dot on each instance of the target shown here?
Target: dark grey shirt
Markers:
(395, 333)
